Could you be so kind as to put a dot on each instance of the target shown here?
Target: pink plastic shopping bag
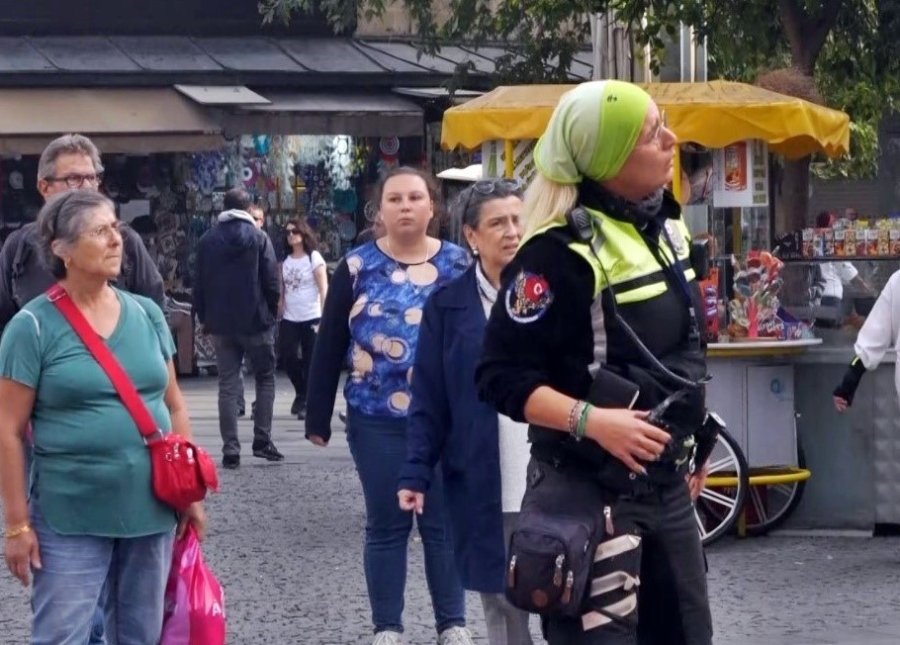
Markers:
(195, 604)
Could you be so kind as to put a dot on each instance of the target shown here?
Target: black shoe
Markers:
(268, 452)
(231, 462)
(253, 410)
(301, 413)
(296, 405)
(241, 411)
(343, 417)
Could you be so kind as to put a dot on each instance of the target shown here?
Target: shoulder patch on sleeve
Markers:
(528, 297)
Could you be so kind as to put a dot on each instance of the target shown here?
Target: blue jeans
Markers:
(97, 627)
(378, 446)
(127, 574)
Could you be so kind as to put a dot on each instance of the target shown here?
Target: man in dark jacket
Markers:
(236, 292)
(71, 161)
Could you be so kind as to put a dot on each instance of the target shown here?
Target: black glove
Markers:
(847, 388)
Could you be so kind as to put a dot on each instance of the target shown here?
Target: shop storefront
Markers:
(168, 160)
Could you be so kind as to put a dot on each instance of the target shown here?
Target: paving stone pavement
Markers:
(286, 542)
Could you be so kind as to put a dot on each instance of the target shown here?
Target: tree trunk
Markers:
(806, 35)
(793, 200)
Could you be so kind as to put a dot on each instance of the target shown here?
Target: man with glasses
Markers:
(69, 162)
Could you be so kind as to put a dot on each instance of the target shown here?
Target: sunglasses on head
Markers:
(490, 186)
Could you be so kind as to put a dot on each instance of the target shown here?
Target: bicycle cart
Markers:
(757, 470)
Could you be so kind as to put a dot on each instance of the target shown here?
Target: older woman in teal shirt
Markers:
(89, 523)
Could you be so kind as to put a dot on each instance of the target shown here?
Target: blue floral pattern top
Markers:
(388, 298)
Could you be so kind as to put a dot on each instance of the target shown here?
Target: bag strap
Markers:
(133, 402)
(580, 229)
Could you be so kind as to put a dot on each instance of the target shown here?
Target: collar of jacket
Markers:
(594, 196)
(460, 293)
(227, 216)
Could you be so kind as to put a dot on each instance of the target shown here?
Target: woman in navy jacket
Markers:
(483, 456)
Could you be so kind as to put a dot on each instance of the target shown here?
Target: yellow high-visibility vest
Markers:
(633, 271)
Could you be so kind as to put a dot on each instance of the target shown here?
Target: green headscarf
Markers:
(592, 131)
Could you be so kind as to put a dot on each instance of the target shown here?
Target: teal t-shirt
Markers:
(91, 468)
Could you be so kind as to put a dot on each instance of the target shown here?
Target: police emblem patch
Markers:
(528, 298)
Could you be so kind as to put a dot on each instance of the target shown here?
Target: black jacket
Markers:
(24, 276)
(553, 343)
(236, 286)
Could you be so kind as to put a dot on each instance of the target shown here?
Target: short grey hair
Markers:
(470, 201)
(62, 219)
(68, 144)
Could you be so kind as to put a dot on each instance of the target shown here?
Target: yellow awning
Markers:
(713, 114)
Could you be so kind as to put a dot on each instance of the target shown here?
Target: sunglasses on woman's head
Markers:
(488, 187)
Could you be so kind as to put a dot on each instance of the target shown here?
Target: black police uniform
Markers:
(554, 324)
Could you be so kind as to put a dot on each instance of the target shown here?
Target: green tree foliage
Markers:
(848, 48)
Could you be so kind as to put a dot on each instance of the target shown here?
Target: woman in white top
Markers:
(304, 283)
(880, 333)
(483, 455)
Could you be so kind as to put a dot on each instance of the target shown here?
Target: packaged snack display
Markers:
(819, 243)
(839, 237)
(871, 245)
(895, 241)
(850, 243)
(808, 242)
(828, 234)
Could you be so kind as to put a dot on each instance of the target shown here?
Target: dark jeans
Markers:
(378, 446)
(655, 539)
(295, 347)
(230, 352)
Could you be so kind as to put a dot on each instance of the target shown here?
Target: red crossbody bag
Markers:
(182, 471)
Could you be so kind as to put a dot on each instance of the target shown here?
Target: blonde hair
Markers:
(546, 200)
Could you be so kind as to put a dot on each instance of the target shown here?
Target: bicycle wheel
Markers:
(722, 499)
(768, 505)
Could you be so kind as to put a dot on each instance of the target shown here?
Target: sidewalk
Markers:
(286, 542)
(764, 591)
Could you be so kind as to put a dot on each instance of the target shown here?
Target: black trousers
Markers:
(295, 348)
(650, 572)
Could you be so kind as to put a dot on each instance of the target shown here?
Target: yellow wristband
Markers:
(16, 532)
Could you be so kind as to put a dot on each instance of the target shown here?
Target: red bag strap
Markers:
(133, 402)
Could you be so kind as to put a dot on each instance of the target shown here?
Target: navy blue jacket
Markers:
(448, 423)
(236, 287)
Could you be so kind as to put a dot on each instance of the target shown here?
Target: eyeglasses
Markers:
(662, 125)
(107, 231)
(77, 181)
(505, 187)
(293, 231)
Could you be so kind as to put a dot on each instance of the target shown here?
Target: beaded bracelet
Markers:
(582, 421)
(575, 418)
(16, 532)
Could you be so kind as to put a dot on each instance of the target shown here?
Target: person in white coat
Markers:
(879, 333)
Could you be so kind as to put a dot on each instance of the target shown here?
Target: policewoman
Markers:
(596, 325)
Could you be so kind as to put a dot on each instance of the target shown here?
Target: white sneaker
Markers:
(387, 638)
(455, 636)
